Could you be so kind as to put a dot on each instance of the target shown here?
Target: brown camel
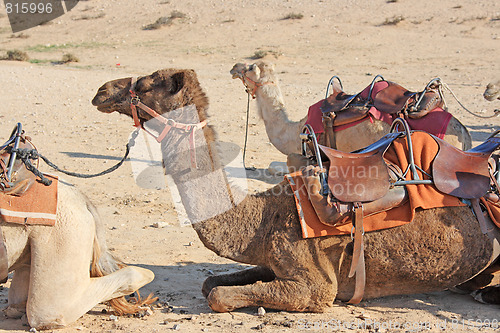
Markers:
(441, 248)
(261, 79)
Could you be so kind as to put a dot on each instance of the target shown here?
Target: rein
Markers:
(135, 103)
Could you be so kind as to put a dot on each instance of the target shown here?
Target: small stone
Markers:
(33, 330)
(113, 318)
(160, 225)
(261, 311)
(176, 327)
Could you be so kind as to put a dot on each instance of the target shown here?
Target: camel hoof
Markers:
(15, 311)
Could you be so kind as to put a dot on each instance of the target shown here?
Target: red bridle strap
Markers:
(256, 85)
(135, 103)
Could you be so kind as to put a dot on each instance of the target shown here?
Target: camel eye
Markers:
(251, 67)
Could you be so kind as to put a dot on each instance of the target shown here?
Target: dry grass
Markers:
(89, 17)
(16, 55)
(293, 16)
(395, 20)
(68, 57)
(21, 35)
(259, 54)
(164, 20)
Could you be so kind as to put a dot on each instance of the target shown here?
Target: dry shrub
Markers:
(393, 20)
(16, 55)
(293, 16)
(68, 57)
(164, 20)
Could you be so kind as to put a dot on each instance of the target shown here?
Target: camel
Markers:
(261, 80)
(492, 91)
(52, 283)
(441, 248)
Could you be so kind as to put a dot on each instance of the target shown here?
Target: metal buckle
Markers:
(135, 100)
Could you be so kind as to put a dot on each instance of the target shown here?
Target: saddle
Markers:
(385, 96)
(362, 183)
(15, 178)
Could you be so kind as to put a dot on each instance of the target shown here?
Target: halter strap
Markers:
(256, 84)
(135, 103)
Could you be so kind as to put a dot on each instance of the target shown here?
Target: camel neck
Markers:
(282, 132)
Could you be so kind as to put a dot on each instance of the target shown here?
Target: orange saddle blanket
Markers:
(38, 205)
(420, 196)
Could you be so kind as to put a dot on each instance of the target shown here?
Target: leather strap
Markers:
(329, 133)
(4, 262)
(135, 103)
(486, 228)
(358, 256)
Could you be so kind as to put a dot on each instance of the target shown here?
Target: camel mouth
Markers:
(488, 96)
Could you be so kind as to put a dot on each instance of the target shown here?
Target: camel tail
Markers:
(104, 263)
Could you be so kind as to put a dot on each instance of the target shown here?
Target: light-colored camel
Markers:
(52, 283)
(260, 78)
(492, 91)
(441, 248)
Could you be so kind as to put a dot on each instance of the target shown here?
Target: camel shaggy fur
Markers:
(260, 78)
(52, 283)
(441, 248)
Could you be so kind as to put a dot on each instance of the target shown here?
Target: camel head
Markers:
(255, 75)
(492, 91)
(163, 91)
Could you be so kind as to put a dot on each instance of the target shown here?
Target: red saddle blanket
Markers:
(435, 122)
(37, 206)
(420, 196)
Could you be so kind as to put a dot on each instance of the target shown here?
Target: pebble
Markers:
(113, 318)
(261, 311)
(176, 327)
(160, 225)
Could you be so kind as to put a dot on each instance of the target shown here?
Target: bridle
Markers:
(244, 78)
(135, 103)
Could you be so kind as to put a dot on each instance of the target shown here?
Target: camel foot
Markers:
(488, 295)
(15, 311)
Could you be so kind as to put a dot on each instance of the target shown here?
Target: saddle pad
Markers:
(420, 196)
(435, 122)
(37, 206)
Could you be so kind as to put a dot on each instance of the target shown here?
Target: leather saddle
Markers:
(385, 96)
(365, 177)
(15, 178)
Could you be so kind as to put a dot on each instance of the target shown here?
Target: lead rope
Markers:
(246, 134)
(496, 112)
(27, 154)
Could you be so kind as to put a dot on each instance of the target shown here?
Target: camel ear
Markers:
(176, 83)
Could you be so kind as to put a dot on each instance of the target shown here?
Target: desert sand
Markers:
(409, 42)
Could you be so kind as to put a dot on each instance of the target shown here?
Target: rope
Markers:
(496, 112)
(246, 135)
(27, 154)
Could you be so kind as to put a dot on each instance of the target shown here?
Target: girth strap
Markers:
(4, 262)
(358, 256)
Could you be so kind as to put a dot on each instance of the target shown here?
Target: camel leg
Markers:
(280, 294)
(18, 292)
(240, 278)
(61, 290)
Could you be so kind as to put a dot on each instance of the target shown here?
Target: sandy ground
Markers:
(455, 40)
